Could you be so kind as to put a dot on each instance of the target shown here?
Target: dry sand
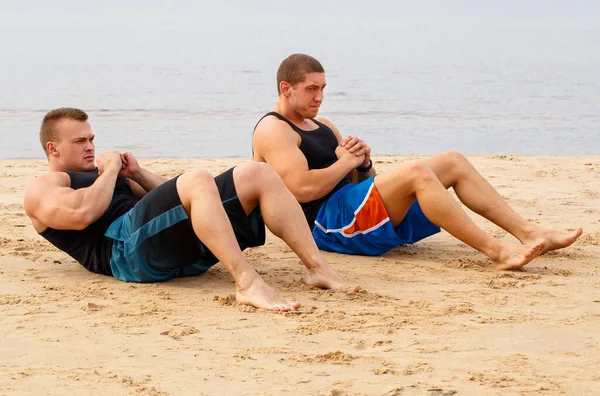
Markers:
(435, 319)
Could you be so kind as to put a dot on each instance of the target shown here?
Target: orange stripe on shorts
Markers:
(372, 213)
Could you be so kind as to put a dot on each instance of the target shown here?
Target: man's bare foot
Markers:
(513, 256)
(325, 277)
(553, 240)
(260, 295)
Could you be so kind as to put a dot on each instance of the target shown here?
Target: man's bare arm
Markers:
(149, 180)
(144, 180)
(358, 148)
(274, 144)
(51, 202)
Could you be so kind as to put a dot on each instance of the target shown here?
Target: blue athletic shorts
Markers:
(354, 221)
(155, 240)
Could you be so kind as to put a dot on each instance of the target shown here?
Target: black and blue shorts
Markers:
(155, 240)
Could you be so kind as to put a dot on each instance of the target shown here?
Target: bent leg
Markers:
(257, 184)
(415, 180)
(201, 201)
(454, 170)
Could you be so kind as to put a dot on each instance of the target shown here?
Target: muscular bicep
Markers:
(51, 202)
(279, 148)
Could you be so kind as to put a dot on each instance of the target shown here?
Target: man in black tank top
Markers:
(373, 213)
(122, 220)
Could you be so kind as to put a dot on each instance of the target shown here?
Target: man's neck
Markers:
(284, 109)
(54, 167)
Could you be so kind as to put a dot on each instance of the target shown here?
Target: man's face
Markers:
(306, 97)
(75, 148)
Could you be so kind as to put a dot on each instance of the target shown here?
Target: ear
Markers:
(285, 88)
(52, 149)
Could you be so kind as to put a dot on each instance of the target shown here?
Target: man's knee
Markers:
(196, 179)
(252, 180)
(456, 162)
(256, 171)
(456, 157)
(418, 171)
(200, 176)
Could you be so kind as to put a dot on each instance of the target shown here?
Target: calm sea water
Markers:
(191, 79)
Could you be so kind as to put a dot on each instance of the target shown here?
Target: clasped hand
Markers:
(126, 163)
(357, 147)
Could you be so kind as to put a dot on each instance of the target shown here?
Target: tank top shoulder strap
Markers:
(299, 131)
(282, 118)
(320, 124)
(294, 127)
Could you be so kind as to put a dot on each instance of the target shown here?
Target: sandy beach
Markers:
(434, 318)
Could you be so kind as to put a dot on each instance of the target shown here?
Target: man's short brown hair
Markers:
(49, 128)
(294, 69)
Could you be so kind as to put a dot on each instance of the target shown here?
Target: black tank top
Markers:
(89, 246)
(318, 146)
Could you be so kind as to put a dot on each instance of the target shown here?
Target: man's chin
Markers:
(88, 167)
(312, 113)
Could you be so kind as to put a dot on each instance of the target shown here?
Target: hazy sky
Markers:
(309, 13)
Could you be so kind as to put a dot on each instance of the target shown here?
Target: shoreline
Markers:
(237, 157)
(434, 316)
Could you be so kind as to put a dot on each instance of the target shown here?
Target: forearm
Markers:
(148, 180)
(93, 201)
(321, 181)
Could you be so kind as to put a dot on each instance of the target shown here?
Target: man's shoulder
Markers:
(48, 180)
(39, 188)
(52, 178)
(273, 137)
(270, 123)
(271, 129)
